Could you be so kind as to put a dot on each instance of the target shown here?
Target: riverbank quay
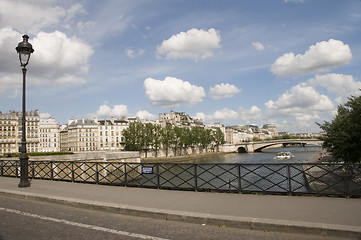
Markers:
(181, 159)
(323, 216)
(324, 176)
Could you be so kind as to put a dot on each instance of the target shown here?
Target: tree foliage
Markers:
(141, 137)
(343, 133)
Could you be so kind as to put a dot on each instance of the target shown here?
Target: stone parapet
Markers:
(88, 156)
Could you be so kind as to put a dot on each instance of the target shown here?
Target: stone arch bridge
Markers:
(248, 147)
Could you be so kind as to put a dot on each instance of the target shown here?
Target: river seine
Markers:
(302, 155)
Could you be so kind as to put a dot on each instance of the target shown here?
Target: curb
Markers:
(262, 224)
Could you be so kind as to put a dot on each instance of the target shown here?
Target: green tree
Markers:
(177, 140)
(167, 137)
(156, 143)
(205, 138)
(343, 133)
(195, 136)
(186, 139)
(132, 136)
(218, 137)
(147, 137)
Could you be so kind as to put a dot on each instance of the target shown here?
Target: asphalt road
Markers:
(26, 219)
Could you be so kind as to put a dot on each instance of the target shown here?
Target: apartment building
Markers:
(179, 119)
(110, 133)
(8, 133)
(11, 131)
(237, 134)
(82, 135)
(49, 135)
(64, 139)
(32, 130)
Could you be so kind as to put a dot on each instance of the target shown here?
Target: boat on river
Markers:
(283, 155)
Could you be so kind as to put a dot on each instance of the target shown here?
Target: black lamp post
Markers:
(24, 50)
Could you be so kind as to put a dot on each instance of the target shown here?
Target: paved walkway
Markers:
(316, 215)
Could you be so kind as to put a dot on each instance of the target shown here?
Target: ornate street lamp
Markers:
(24, 49)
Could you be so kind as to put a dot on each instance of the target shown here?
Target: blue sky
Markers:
(287, 62)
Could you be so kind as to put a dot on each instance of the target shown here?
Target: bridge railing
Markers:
(289, 179)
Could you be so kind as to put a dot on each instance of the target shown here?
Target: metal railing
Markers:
(292, 179)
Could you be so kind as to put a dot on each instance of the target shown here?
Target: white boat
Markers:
(284, 155)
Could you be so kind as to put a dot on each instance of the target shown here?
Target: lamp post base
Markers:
(24, 177)
(24, 183)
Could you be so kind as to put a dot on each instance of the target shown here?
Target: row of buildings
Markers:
(45, 135)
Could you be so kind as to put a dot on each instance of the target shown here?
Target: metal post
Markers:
(72, 171)
(96, 173)
(52, 171)
(158, 180)
(24, 158)
(289, 180)
(125, 175)
(195, 178)
(32, 169)
(239, 178)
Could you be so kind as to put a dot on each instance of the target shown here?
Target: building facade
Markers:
(82, 135)
(8, 133)
(11, 131)
(49, 135)
(179, 119)
(111, 134)
(238, 134)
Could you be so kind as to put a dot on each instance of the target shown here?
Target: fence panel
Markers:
(84, 172)
(219, 177)
(143, 175)
(176, 176)
(333, 179)
(62, 171)
(272, 178)
(319, 179)
(41, 170)
(112, 173)
(10, 168)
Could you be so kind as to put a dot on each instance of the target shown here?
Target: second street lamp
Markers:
(24, 49)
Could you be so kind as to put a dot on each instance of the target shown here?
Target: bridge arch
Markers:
(259, 146)
(241, 150)
(265, 146)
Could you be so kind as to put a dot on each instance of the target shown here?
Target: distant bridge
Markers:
(247, 147)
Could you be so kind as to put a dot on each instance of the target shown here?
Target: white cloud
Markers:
(200, 115)
(170, 92)
(59, 52)
(57, 60)
(253, 114)
(132, 53)
(73, 11)
(224, 114)
(32, 16)
(301, 99)
(105, 111)
(129, 53)
(145, 115)
(45, 115)
(195, 44)
(259, 46)
(9, 60)
(10, 85)
(222, 90)
(320, 57)
(342, 85)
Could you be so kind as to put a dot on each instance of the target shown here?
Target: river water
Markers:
(302, 155)
(221, 172)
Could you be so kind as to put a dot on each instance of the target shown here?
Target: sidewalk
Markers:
(297, 214)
